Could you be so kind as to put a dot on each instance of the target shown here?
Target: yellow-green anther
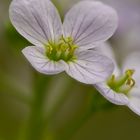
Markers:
(129, 73)
(123, 79)
(62, 50)
(130, 82)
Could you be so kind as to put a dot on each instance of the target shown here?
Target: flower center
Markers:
(62, 50)
(122, 84)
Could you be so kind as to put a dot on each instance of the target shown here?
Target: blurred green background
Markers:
(71, 110)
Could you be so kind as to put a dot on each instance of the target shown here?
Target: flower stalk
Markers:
(34, 131)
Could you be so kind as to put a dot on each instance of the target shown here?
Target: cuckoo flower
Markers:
(66, 47)
(123, 87)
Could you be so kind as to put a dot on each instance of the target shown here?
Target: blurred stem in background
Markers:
(57, 106)
(65, 94)
(40, 84)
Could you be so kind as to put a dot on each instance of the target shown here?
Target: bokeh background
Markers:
(70, 110)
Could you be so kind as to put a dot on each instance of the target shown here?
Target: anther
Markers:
(129, 73)
(130, 82)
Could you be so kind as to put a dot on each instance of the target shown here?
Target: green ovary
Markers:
(64, 50)
(122, 84)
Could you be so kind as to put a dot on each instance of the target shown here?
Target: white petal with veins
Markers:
(37, 20)
(112, 96)
(41, 63)
(90, 67)
(90, 22)
(107, 50)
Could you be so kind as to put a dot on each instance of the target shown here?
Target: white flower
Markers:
(123, 87)
(66, 47)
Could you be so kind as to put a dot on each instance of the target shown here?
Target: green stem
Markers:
(65, 94)
(58, 104)
(36, 117)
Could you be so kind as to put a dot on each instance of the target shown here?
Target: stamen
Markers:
(130, 82)
(111, 81)
(62, 50)
(130, 73)
(122, 84)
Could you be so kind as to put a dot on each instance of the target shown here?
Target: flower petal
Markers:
(134, 98)
(112, 96)
(37, 20)
(107, 50)
(41, 63)
(89, 23)
(132, 61)
(90, 67)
